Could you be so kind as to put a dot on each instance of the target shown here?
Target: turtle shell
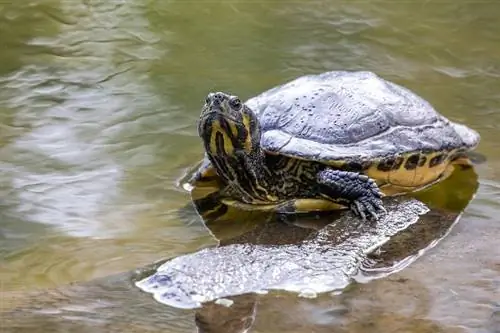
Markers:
(345, 116)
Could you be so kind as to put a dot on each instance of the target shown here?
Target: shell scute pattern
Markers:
(352, 116)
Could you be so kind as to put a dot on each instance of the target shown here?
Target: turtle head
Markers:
(231, 133)
(227, 125)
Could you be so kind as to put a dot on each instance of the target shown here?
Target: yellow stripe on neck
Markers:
(227, 143)
(248, 139)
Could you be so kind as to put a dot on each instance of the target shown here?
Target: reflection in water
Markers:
(392, 307)
(240, 266)
(237, 317)
(98, 106)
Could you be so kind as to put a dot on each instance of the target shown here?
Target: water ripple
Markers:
(70, 117)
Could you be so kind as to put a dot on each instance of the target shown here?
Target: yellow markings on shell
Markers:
(228, 146)
(425, 174)
(402, 180)
(394, 190)
(380, 176)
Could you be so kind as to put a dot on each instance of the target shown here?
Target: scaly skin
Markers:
(362, 192)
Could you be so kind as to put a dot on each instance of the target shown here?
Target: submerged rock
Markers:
(328, 260)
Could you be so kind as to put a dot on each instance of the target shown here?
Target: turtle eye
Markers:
(235, 103)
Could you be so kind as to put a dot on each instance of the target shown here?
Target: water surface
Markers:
(98, 109)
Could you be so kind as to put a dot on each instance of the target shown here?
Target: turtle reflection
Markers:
(446, 201)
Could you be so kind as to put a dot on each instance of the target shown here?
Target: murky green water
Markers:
(98, 109)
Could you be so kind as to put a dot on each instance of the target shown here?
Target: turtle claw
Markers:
(359, 190)
(368, 206)
(357, 209)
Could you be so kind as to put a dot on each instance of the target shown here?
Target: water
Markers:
(98, 105)
(324, 262)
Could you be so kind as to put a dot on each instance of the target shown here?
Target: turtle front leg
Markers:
(358, 191)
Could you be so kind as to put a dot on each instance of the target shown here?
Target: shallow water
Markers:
(98, 105)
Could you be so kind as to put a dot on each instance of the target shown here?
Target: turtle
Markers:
(328, 141)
